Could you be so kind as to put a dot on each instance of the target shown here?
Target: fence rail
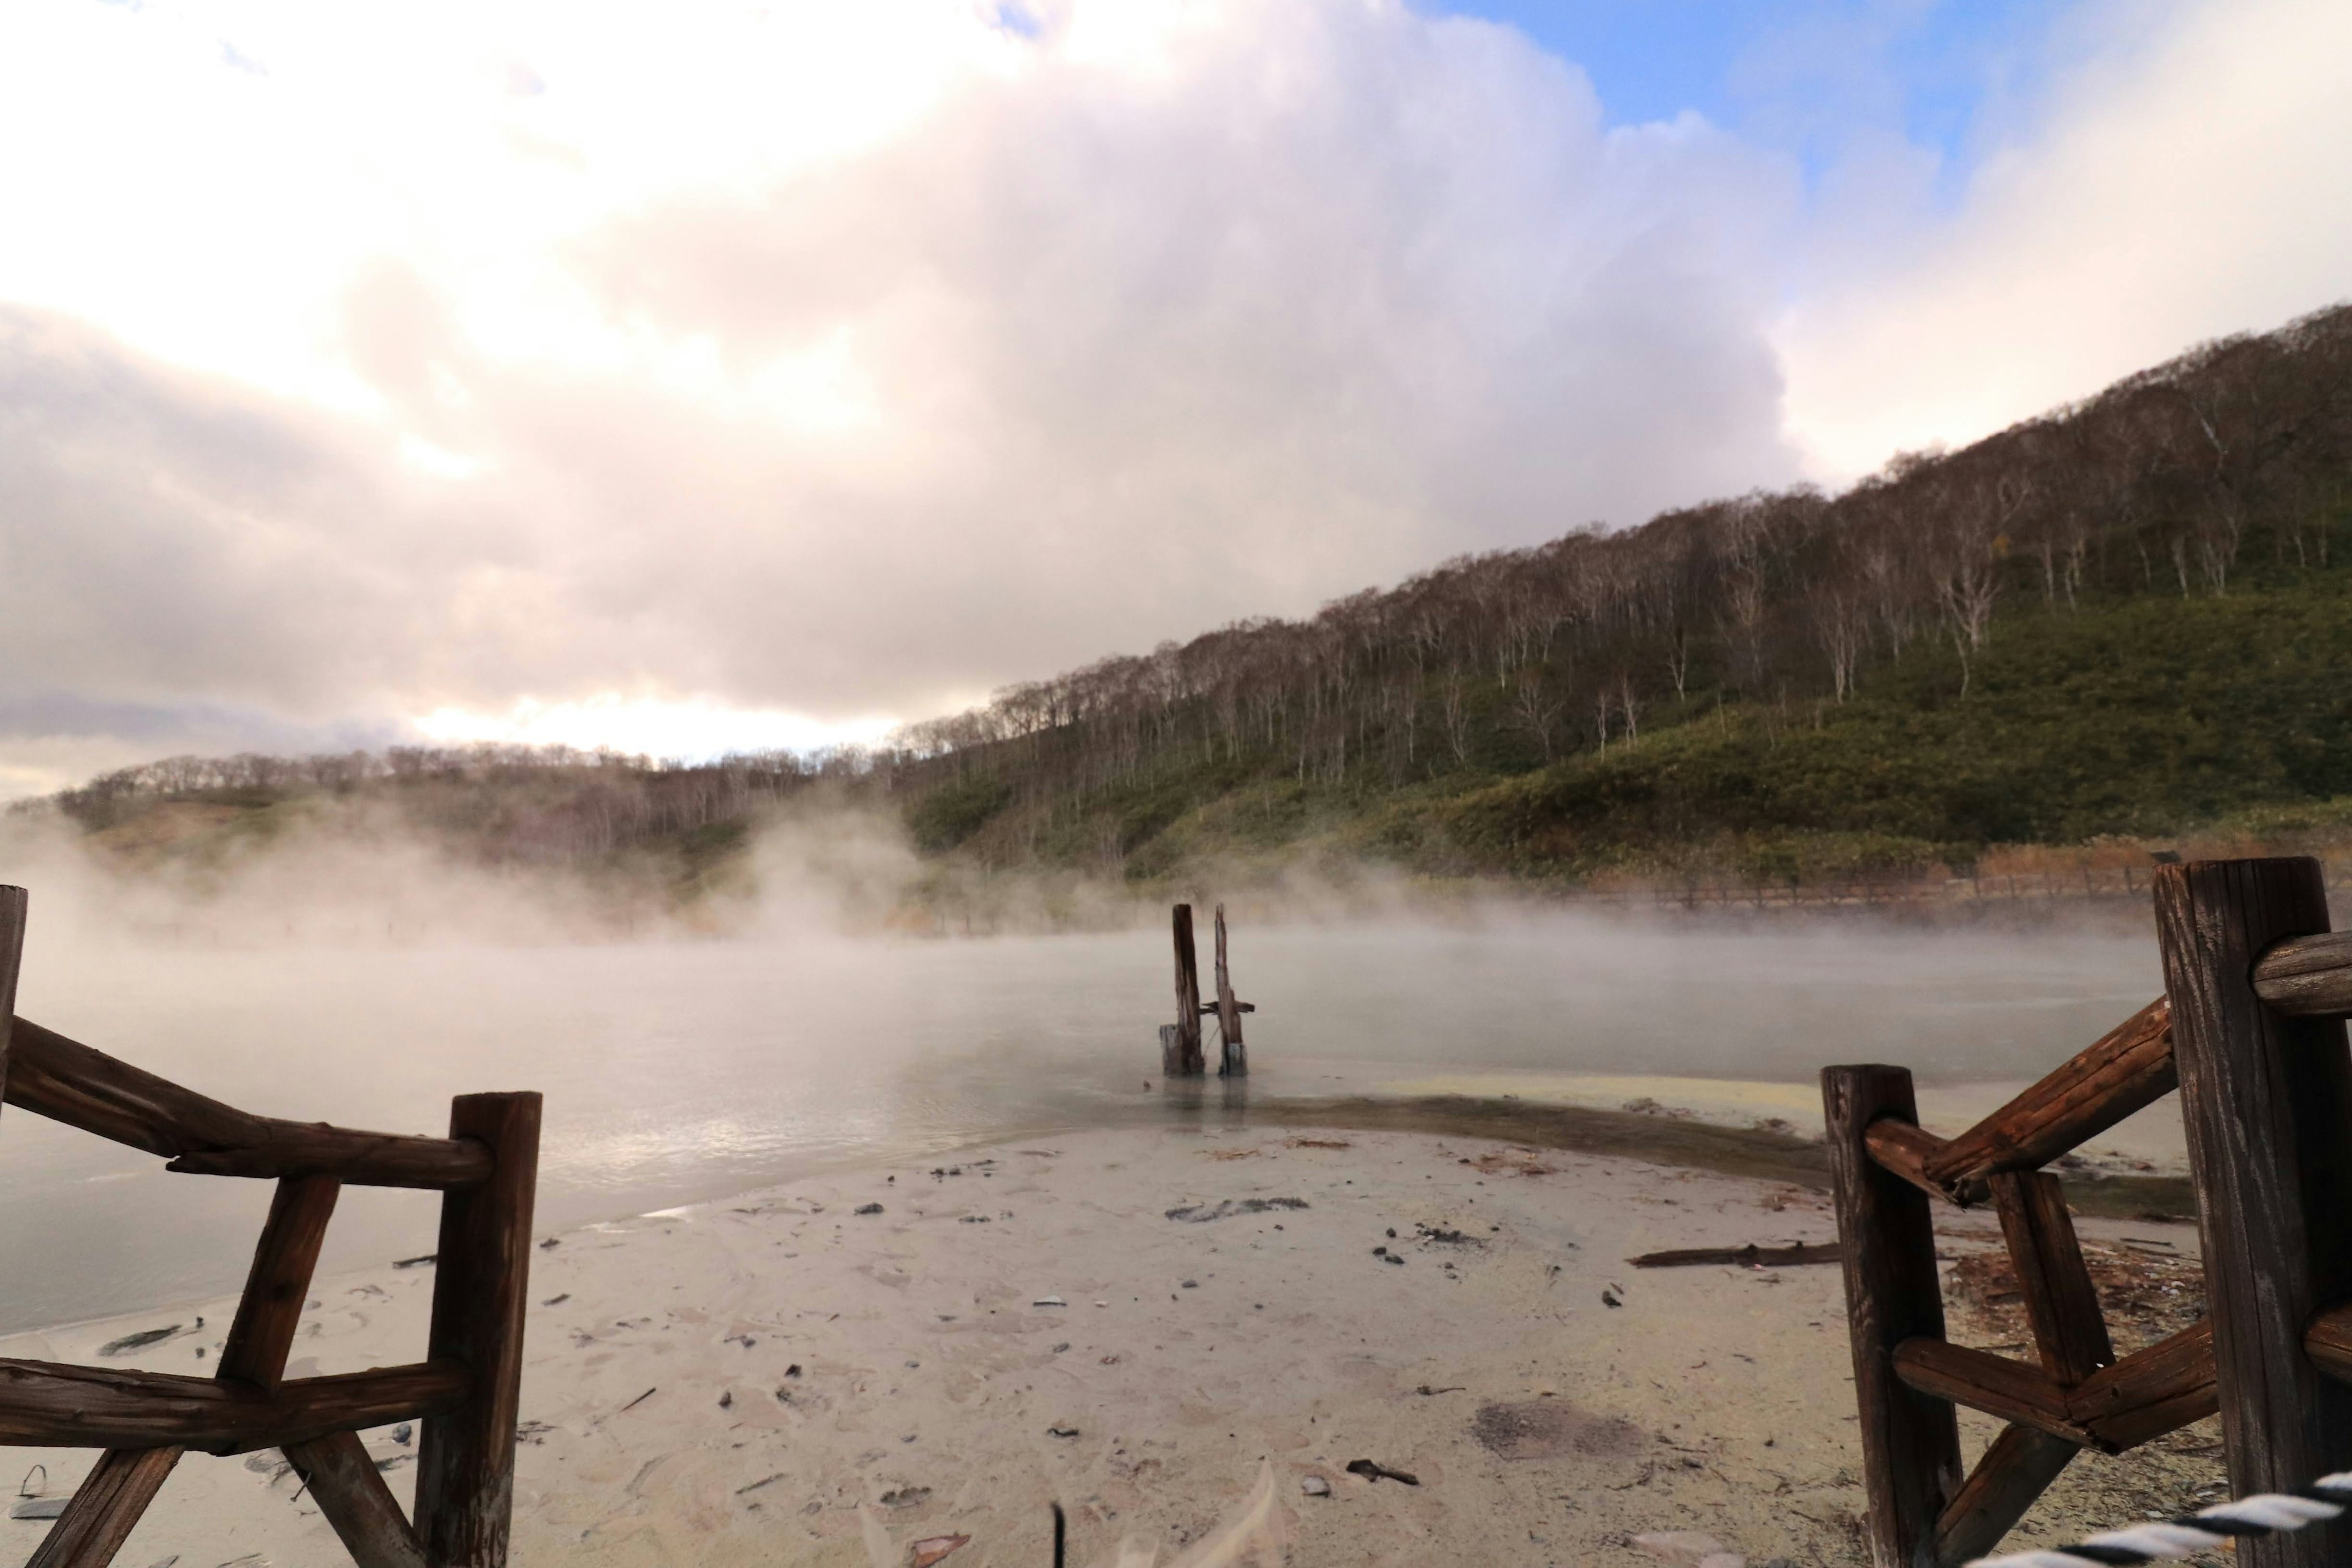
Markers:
(2250, 1032)
(465, 1392)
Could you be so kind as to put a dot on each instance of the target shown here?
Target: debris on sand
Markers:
(1049, 1301)
(1315, 1486)
(139, 1341)
(904, 1497)
(1372, 1470)
(419, 1261)
(1690, 1546)
(932, 1548)
(1202, 1213)
(1749, 1256)
(40, 1508)
(869, 1208)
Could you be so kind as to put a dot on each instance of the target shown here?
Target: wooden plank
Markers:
(12, 958)
(1189, 1060)
(1904, 1148)
(56, 1403)
(272, 1308)
(2016, 1469)
(1910, 1442)
(105, 1509)
(351, 1493)
(465, 1481)
(1234, 1060)
(67, 1081)
(2155, 1390)
(2307, 976)
(2328, 1342)
(2069, 1329)
(1960, 1374)
(2125, 1070)
(2266, 1100)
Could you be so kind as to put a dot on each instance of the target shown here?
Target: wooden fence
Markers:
(2250, 1030)
(466, 1391)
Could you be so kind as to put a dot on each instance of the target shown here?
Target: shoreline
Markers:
(754, 1379)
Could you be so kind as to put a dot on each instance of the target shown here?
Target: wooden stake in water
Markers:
(1188, 1062)
(1235, 1060)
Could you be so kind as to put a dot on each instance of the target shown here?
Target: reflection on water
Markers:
(680, 1072)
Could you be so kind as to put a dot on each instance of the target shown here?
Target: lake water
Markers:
(682, 1071)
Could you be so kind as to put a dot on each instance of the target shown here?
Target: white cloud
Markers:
(2187, 181)
(817, 360)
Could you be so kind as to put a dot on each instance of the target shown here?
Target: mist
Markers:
(820, 1006)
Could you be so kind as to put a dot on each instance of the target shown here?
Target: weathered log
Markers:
(2307, 976)
(465, 1468)
(53, 1402)
(1749, 1256)
(275, 1287)
(12, 956)
(2017, 1468)
(2157, 1389)
(1234, 1056)
(1960, 1374)
(2127, 1070)
(1904, 1148)
(105, 1509)
(1189, 1062)
(66, 1081)
(351, 1493)
(2069, 1329)
(2266, 1099)
(1910, 1442)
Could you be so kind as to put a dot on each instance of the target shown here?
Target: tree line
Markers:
(2228, 459)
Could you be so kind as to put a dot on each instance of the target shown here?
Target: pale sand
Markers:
(1713, 1399)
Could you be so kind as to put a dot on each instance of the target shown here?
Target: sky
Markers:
(729, 375)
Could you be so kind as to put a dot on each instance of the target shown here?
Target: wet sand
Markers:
(758, 1379)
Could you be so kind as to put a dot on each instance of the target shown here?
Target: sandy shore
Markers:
(735, 1382)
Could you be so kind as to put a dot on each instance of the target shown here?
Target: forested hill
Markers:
(2130, 619)
(2128, 616)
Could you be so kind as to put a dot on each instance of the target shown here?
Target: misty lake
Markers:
(682, 1071)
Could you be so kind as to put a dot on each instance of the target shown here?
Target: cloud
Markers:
(490, 360)
(2189, 177)
(1104, 328)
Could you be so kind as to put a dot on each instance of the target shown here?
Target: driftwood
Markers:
(66, 1081)
(1749, 1256)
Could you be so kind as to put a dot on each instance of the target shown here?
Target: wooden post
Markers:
(1189, 1060)
(105, 1508)
(1910, 1441)
(2267, 1103)
(12, 955)
(1233, 1062)
(464, 1469)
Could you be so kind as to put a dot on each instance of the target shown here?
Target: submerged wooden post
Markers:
(1910, 1441)
(12, 955)
(465, 1463)
(2267, 1103)
(1189, 1060)
(1234, 1060)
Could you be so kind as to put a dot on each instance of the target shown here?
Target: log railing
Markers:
(465, 1392)
(2249, 1031)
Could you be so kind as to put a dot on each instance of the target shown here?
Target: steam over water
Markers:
(678, 1071)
